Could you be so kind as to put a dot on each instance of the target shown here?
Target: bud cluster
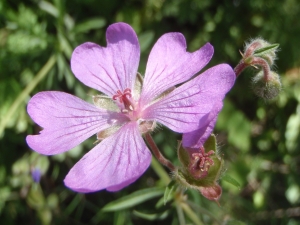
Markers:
(261, 55)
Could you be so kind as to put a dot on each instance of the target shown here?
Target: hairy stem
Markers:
(240, 67)
(264, 65)
(157, 153)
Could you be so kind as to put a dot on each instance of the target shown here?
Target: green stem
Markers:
(160, 171)
(24, 94)
(180, 214)
(191, 214)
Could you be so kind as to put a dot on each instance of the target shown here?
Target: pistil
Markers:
(124, 100)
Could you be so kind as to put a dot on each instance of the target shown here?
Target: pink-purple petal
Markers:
(182, 110)
(216, 81)
(188, 107)
(170, 64)
(112, 68)
(66, 121)
(113, 164)
(197, 138)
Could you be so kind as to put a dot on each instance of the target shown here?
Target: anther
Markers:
(200, 163)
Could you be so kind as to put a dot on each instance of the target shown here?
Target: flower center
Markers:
(200, 163)
(131, 109)
(124, 100)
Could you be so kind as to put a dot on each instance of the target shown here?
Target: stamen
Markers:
(124, 100)
(200, 163)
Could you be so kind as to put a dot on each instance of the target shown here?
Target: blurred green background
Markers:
(259, 139)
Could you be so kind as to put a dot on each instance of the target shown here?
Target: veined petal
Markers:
(188, 107)
(197, 138)
(113, 164)
(67, 121)
(170, 64)
(112, 68)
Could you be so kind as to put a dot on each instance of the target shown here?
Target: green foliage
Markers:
(132, 199)
(260, 141)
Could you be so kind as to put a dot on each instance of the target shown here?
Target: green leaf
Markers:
(49, 8)
(264, 50)
(231, 180)
(35, 197)
(146, 39)
(151, 217)
(94, 23)
(160, 171)
(235, 222)
(73, 204)
(191, 214)
(169, 189)
(132, 199)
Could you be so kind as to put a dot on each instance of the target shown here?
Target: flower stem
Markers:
(180, 214)
(240, 67)
(255, 61)
(264, 65)
(157, 153)
(24, 94)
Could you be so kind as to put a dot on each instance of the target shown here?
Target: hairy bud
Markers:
(261, 48)
(267, 88)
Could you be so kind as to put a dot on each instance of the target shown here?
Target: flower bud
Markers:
(200, 169)
(261, 48)
(259, 54)
(266, 87)
(36, 175)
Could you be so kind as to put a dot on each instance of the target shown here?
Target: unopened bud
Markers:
(212, 193)
(266, 87)
(261, 48)
(36, 175)
(259, 54)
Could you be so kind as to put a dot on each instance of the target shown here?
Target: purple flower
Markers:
(130, 108)
(36, 175)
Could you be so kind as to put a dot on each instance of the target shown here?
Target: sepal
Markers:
(205, 178)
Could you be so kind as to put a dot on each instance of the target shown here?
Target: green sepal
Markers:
(183, 155)
(213, 175)
(267, 89)
(182, 174)
(211, 143)
(265, 50)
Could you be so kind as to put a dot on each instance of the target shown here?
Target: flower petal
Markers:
(113, 164)
(67, 121)
(212, 193)
(197, 138)
(112, 68)
(170, 64)
(188, 107)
